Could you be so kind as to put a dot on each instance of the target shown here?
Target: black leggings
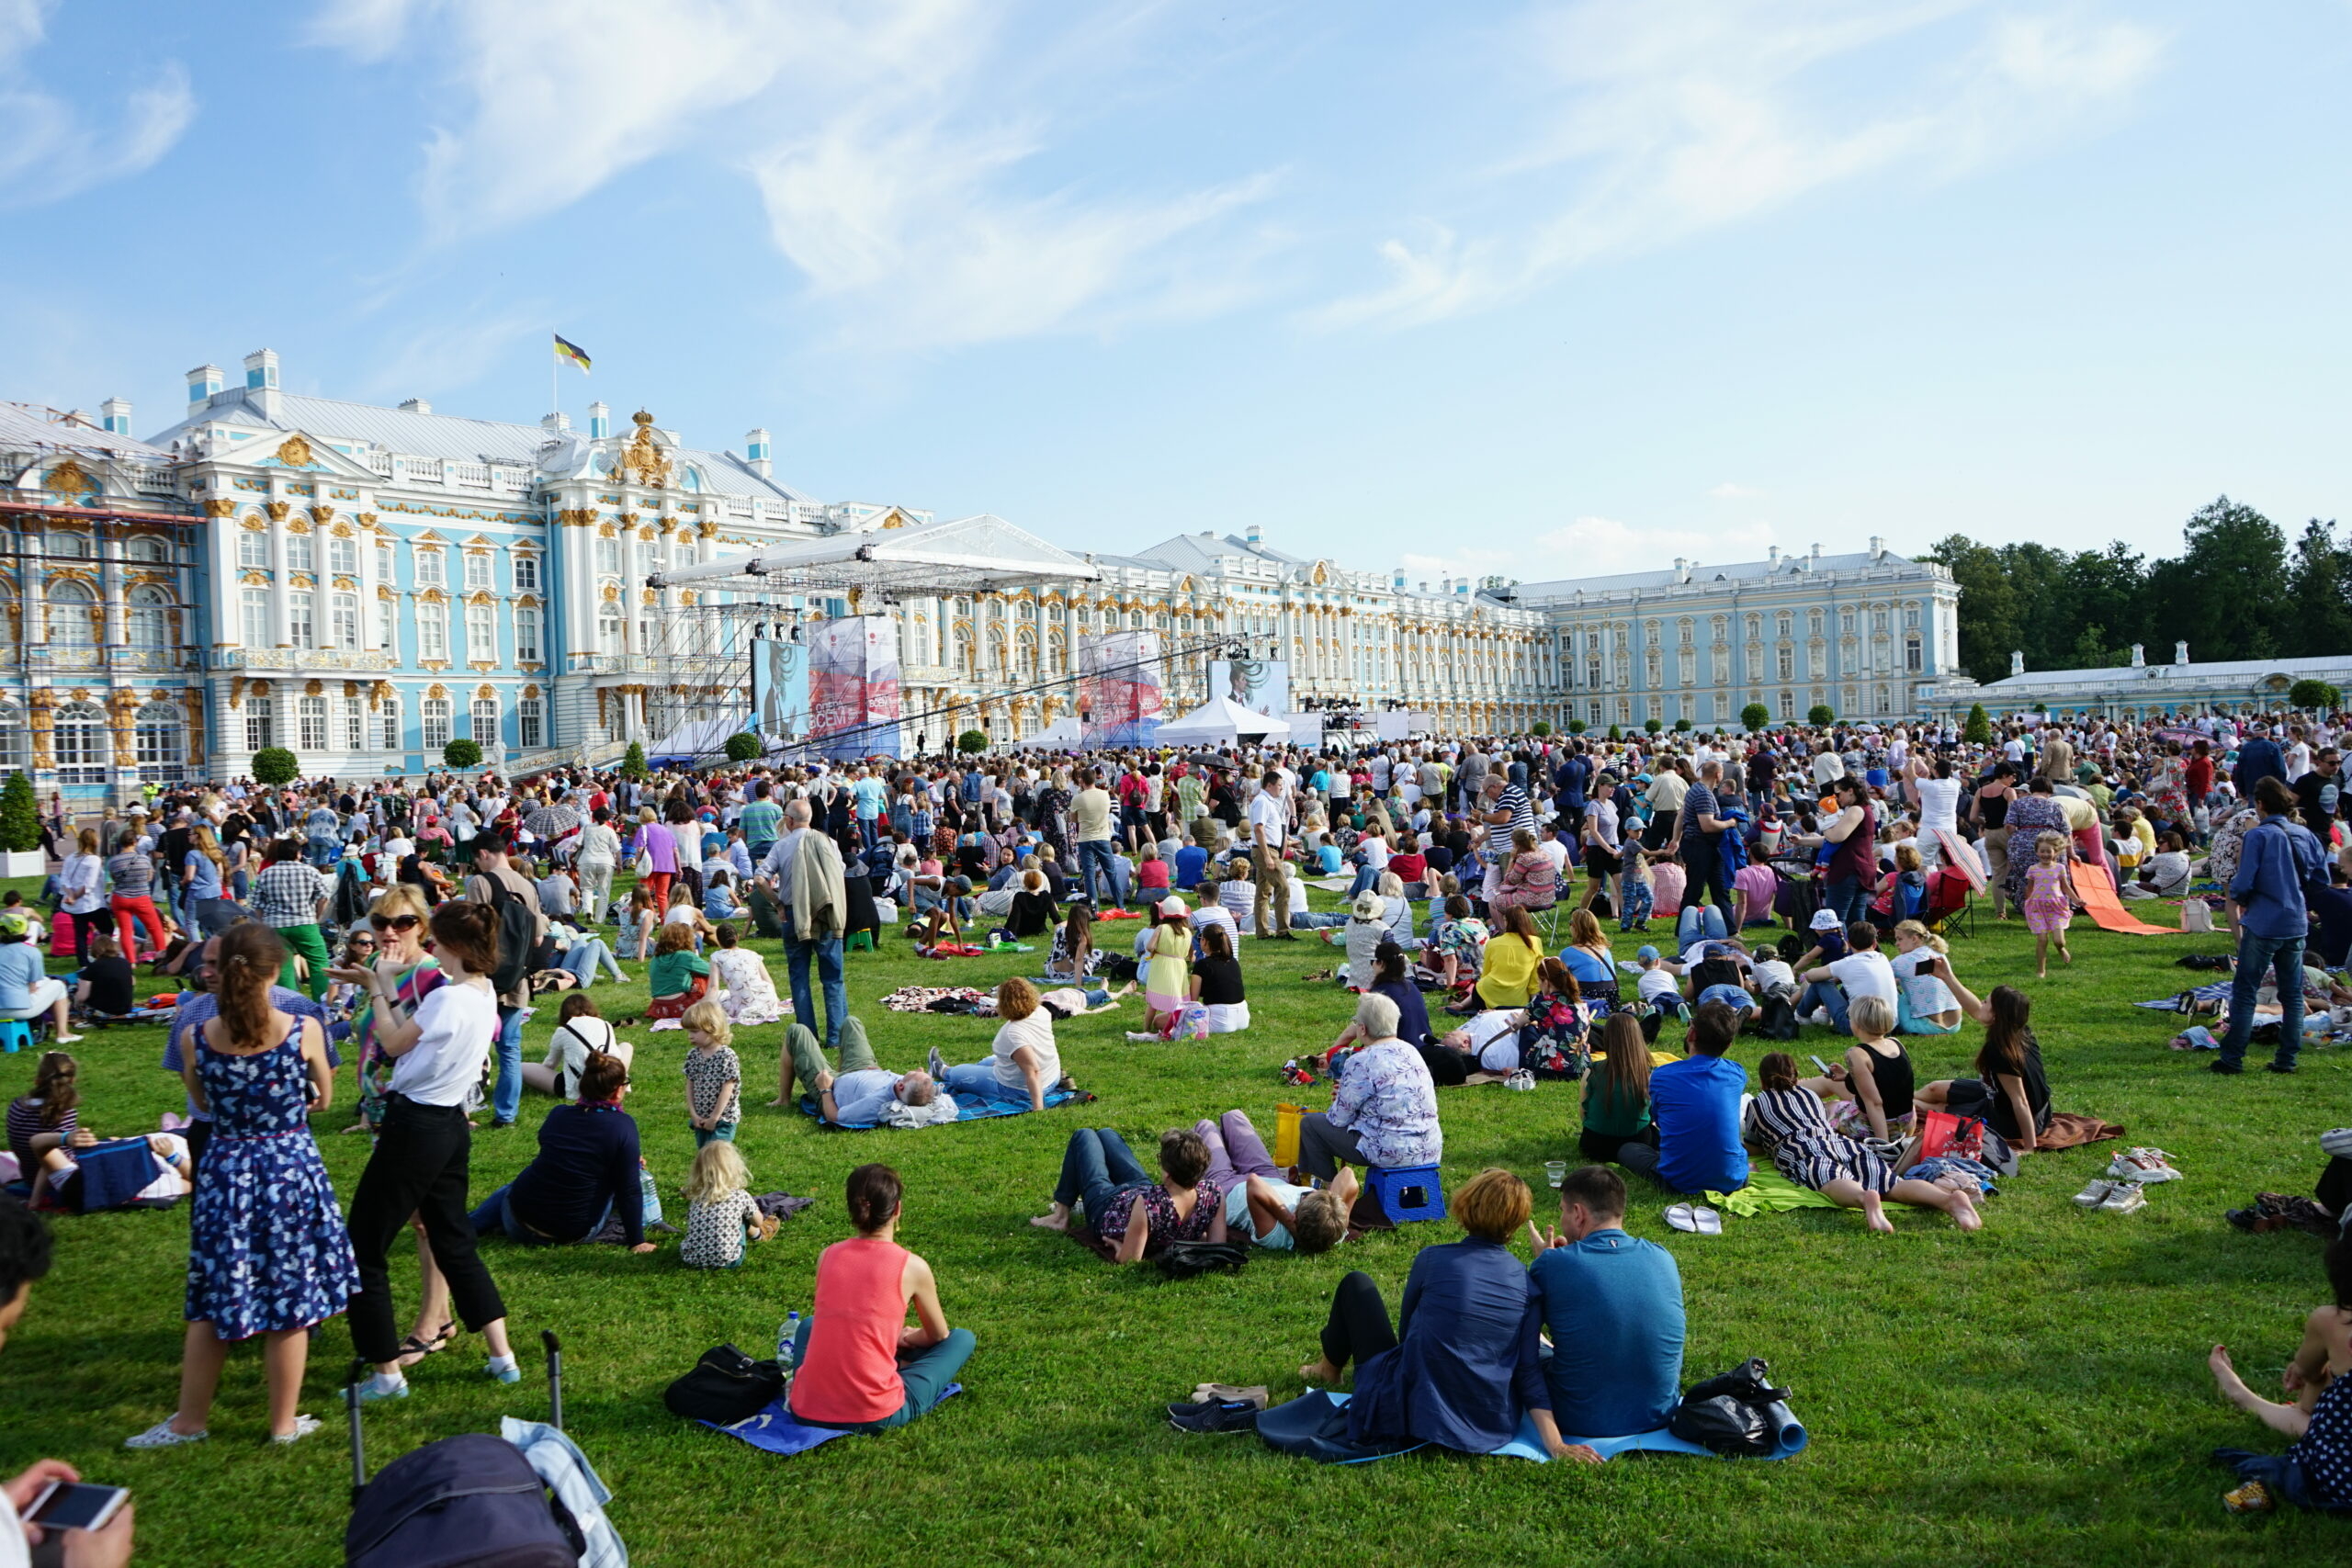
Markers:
(419, 1168)
(1358, 1327)
(83, 924)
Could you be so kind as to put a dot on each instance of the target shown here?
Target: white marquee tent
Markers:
(1221, 721)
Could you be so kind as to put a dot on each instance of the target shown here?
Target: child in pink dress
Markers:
(2048, 899)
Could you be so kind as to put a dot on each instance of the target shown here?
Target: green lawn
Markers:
(2035, 1393)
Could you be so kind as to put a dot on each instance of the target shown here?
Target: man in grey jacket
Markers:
(803, 871)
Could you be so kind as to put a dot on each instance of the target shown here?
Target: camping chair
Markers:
(1949, 909)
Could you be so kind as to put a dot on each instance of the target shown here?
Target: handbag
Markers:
(1730, 1415)
(726, 1386)
(2196, 915)
(1182, 1259)
(1941, 1132)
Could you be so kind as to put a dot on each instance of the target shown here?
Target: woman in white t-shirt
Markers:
(578, 1031)
(422, 1162)
(1924, 1004)
(1023, 1063)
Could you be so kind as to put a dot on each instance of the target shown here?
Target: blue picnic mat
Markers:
(773, 1430)
(2219, 991)
(1789, 1439)
(968, 1108)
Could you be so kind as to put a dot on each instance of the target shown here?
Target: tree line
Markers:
(2238, 589)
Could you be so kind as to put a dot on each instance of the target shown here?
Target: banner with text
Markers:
(854, 687)
(1118, 688)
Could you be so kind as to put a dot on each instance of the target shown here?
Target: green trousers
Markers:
(808, 1057)
(306, 942)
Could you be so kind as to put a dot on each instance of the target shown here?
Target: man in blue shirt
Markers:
(2278, 858)
(1694, 1104)
(1615, 1308)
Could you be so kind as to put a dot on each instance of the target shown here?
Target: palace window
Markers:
(481, 632)
(254, 610)
(147, 547)
(527, 573)
(81, 744)
(527, 635)
(387, 628)
(261, 727)
(311, 724)
(531, 722)
(429, 574)
(152, 619)
(1787, 662)
(300, 556)
(342, 555)
(485, 720)
(1912, 654)
(344, 631)
(435, 716)
(252, 549)
(300, 627)
(478, 569)
(433, 631)
(384, 564)
(610, 629)
(353, 730)
(159, 733)
(388, 723)
(72, 618)
(608, 555)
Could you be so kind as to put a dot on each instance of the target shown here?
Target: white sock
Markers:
(388, 1380)
(502, 1363)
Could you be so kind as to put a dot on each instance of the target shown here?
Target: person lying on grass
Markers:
(858, 1364)
(1462, 1363)
(2316, 1471)
(859, 1093)
(1125, 1207)
(1788, 1121)
(1275, 1214)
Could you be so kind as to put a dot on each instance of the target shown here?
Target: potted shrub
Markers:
(20, 851)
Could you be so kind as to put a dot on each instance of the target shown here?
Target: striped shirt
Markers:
(287, 894)
(1514, 800)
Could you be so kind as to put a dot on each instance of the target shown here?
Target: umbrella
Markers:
(551, 822)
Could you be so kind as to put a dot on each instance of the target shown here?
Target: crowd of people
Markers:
(1795, 879)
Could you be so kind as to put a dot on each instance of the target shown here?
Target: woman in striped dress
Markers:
(1788, 1121)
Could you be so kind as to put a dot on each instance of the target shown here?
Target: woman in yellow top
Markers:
(1165, 975)
(1507, 974)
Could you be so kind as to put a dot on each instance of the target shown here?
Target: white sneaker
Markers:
(2096, 1194)
(303, 1427)
(2127, 1198)
(160, 1436)
(2147, 1167)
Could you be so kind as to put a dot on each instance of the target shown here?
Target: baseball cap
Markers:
(1647, 953)
(1826, 920)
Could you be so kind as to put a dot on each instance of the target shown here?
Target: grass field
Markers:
(2035, 1393)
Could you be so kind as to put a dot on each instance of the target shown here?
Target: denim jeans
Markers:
(2257, 957)
(1849, 899)
(925, 1377)
(1094, 853)
(1822, 993)
(1096, 1167)
(979, 1078)
(827, 952)
(507, 1099)
(493, 1212)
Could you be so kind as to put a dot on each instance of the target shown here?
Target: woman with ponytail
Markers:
(423, 1150)
(858, 1364)
(267, 1252)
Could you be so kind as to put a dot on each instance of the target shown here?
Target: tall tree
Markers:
(2107, 591)
(1988, 610)
(2319, 589)
(2226, 594)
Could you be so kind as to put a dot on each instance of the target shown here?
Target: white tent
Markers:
(1221, 721)
(961, 556)
(1062, 735)
(695, 738)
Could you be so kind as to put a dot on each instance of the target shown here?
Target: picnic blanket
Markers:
(968, 1108)
(773, 1430)
(2219, 991)
(2096, 891)
(1303, 1417)
(968, 999)
(1768, 1193)
(2070, 1130)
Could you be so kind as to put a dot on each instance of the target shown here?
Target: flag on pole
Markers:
(571, 352)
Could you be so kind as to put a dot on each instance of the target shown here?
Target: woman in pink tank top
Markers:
(857, 1363)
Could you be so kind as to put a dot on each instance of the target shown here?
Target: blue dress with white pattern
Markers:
(266, 1246)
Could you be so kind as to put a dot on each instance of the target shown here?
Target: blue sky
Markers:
(1543, 289)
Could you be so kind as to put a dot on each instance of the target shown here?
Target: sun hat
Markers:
(1369, 906)
(1172, 905)
(1826, 920)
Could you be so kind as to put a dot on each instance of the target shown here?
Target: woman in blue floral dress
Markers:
(267, 1254)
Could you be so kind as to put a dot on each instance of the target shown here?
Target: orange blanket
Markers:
(2093, 886)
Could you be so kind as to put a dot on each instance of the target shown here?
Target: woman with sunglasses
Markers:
(391, 981)
(423, 1152)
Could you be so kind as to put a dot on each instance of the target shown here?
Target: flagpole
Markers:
(555, 372)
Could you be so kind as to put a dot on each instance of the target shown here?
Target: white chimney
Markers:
(1425, 588)
(1816, 552)
(416, 405)
(1773, 553)
(755, 452)
(117, 415)
(2016, 662)
(2139, 656)
(202, 382)
(600, 420)
(261, 381)
(1252, 534)
(1878, 547)
(2180, 654)
(1682, 569)
(556, 423)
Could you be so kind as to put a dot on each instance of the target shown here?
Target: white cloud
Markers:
(452, 351)
(1595, 546)
(886, 138)
(47, 148)
(1730, 491)
(1667, 120)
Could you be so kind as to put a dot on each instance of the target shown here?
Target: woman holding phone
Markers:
(424, 1151)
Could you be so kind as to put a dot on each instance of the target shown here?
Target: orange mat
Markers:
(2093, 886)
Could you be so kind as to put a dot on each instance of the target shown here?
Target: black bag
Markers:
(1777, 1019)
(517, 934)
(1185, 1259)
(1121, 969)
(1727, 1415)
(725, 1387)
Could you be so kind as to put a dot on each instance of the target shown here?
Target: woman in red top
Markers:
(857, 1365)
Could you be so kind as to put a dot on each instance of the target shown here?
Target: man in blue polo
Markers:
(1613, 1304)
(2277, 860)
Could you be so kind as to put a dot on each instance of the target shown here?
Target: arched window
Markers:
(81, 744)
(72, 614)
(14, 735)
(151, 618)
(147, 547)
(76, 545)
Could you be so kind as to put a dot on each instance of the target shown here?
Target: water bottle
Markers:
(787, 1336)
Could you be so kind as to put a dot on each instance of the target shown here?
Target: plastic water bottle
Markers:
(786, 1338)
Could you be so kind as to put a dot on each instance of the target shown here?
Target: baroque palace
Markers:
(362, 584)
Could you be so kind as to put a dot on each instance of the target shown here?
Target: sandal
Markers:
(413, 1349)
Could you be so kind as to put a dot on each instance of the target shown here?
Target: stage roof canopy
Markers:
(961, 556)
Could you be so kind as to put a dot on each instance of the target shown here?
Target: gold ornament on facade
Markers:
(323, 515)
(484, 693)
(278, 510)
(219, 506)
(367, 520)
(313, 689)
(68, 478)
(641, 456)
(576, 516)
(378, 692)
(295, 453)
(437, 691)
